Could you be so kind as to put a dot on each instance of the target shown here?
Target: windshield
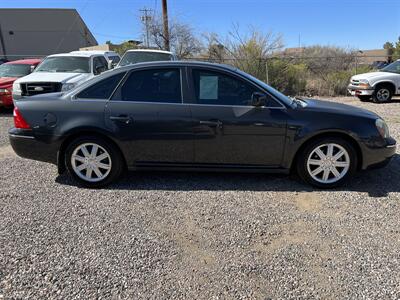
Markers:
(14, 70)
(285, 99)
(138, 56)
(65, 64)
(393, 68)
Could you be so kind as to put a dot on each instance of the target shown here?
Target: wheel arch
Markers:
(329, 134)
(391, 84)
(79, 133)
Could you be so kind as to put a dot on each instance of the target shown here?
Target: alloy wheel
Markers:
(91, 162)
(383, 95)
(328, 163)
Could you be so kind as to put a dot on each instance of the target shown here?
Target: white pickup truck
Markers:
(380, 86)
(59, 73)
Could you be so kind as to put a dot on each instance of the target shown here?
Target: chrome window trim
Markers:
(196, 104)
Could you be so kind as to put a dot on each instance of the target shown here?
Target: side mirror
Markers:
(99, 69)
(33, 68)
(110, 65)
(258, 99)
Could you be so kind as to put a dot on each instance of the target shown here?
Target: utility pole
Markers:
(165, 22)
(145, 18)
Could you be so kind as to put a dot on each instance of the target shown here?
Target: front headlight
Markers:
(382, 127)
(16, 88)
(364, 81)
(67, 86)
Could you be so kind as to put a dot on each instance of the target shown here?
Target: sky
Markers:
(355, 24)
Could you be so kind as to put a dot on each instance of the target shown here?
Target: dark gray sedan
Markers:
(195, 116)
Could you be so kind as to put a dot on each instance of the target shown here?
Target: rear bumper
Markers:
(379, 157)
(26, 145)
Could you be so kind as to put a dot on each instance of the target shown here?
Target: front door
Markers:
(147, 116)
(228, 129)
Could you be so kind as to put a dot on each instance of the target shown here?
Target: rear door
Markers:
(228, 129)
(148, 117)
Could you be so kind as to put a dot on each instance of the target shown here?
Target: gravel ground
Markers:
(6, 121)
(199, 236)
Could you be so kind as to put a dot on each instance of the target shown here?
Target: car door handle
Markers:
(217, 123)
(122, 118)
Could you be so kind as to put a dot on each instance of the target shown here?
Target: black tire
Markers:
(302, 166)
(364, 98)
(382, 89)
(114, 159)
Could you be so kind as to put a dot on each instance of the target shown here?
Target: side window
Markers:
(102, 89)
(221, 89)
(155, 85)
(115, 59)
(99, 65)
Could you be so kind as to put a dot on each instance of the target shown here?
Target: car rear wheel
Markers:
(93, 162)
(327, 163)
(382, 93)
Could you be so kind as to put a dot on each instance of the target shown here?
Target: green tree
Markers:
(125, 46)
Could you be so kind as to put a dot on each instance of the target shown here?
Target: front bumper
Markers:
(26, 145)
(357, 91)
(379, 157)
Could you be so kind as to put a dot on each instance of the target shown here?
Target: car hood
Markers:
(320, 106)
(55, 77)
(7, 81)
(367, 76)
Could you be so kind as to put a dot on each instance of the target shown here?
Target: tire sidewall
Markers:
(116, 161)
(302, 162)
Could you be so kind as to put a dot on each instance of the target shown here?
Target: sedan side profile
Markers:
(195, 116)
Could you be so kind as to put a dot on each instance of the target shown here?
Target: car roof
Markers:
(30, 61)
(94, 52)
(172, 63)
(150, 50)
(80, 54)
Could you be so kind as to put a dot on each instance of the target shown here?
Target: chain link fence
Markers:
(306, 76)
(298, 75)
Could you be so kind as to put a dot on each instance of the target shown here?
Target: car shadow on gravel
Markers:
(6, 112)
(377, 183)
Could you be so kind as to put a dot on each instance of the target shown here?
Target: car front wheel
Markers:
(382, 93)
(327, 163)
(93, 162)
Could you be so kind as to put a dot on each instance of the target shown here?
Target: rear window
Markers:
(102, 89)
(137, 57)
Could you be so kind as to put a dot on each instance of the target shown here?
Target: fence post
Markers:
(266, 70)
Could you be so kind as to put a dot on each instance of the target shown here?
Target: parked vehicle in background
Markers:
(196, 116)
(11, 71)
(112, 57)
(3, 60)
(145, 55)
(60, 73)
(381, 86)
(379, 64)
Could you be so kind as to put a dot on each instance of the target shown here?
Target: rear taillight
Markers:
(19, 121)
